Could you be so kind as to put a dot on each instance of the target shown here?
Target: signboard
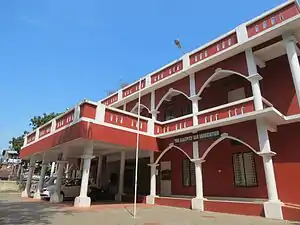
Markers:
(198, 137)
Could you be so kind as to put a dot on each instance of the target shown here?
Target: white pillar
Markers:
(26, 192)
(272, 208)
(121, 177)
(99, 172)
(83, 200)
(254, 78)
(153, 180)
(67, 170)
(37, 194)
(57, 196)
(150, 199)
(291, 50)
(194, 98)
(198, 201)
(52, 169)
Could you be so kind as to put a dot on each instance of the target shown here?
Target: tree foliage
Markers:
(122, 85)
(38, 121)
(17, 142)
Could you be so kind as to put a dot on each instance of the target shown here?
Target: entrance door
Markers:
(165, 180)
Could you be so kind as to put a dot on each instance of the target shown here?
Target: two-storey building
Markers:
(218, 129)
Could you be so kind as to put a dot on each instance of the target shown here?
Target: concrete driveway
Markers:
(16, 211)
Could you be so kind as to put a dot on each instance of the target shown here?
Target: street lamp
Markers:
(178, 44)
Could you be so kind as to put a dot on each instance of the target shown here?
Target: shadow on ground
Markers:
(27, 212)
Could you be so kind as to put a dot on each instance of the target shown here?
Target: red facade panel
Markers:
(228, 112)
(214, 48)
(124, 120)
(91, 131)
(65, 120)
(273, 19)
(277, 86)
(173, 126)
(287, 162)
(110, 100)
(182, 85)
(249, 209)
(134, 88)
(45, 130)
(236, 63)
(170, 70)
(88, 110)
(31, 138)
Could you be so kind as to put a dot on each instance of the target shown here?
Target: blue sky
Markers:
(54, 53)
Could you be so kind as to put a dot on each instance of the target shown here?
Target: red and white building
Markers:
(219, 129)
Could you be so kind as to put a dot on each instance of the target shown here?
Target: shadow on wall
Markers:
(20, 212)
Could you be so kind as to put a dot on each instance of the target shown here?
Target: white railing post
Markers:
(148, 81)
(53, 125)
(242, 35)
(100, 113)
(76, 113)
(185, 62)
(120, 95)
(151, 126)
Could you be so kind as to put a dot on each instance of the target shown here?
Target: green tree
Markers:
(38, 121)
(17, 142)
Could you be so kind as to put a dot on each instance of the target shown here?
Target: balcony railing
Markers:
(226, 111)
(119, 119)
(173, 125)
(125, 119)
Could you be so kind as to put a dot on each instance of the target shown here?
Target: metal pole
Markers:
(137, 150)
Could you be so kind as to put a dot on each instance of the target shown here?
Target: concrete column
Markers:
(57, 197)
(254, 78)
(52, 169)
(37, 194)
(83, 200)
(291, 50)
(194, 98)
(150, 199)
(67, 170)
(272, 208)
(99, 172)
(26, 192)
(198, 201)
(121, 177)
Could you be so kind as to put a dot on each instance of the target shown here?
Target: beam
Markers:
(261, 63)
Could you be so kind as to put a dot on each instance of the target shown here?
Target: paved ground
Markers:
(17, 211)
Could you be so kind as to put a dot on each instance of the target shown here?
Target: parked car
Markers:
(35, 184)
(70, 188)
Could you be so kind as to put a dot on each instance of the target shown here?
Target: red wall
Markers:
(177, 104)
(182, 85)
(286, 12)
(236, 63)
(277, 86)
(217, 93)
(287, 162)
(88, 110)
(218, 167)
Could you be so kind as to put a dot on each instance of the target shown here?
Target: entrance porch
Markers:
(95, 163)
